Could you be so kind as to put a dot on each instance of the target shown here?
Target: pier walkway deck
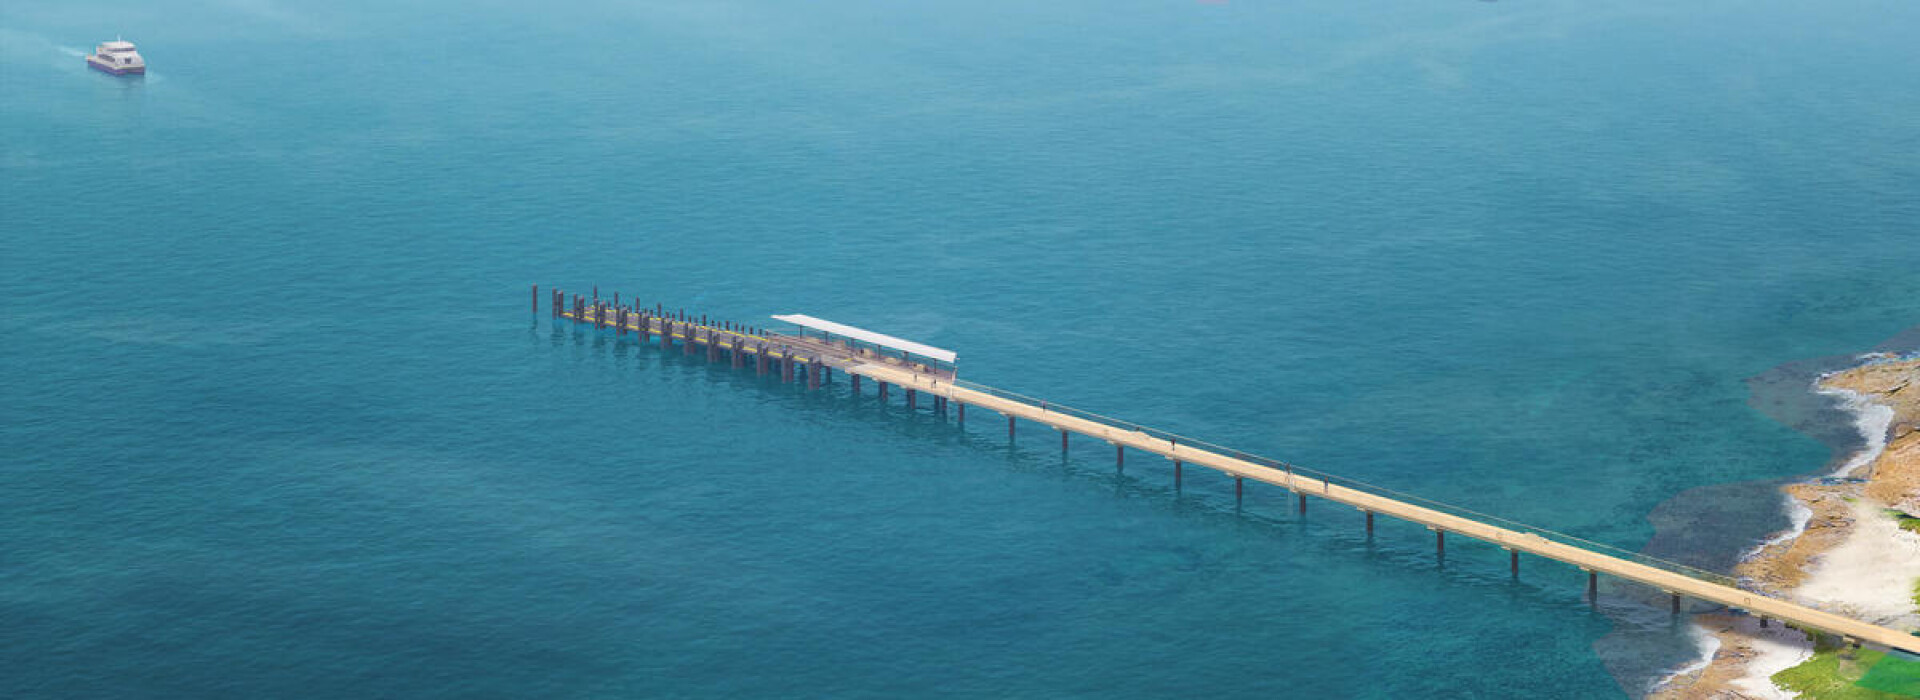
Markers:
(818, 357)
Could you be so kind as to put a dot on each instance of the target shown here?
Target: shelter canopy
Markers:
(861, 334)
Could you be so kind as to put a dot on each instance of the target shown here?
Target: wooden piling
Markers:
(1440, 543)
(1369, 524)
(536, 298)
(1303, 502)
(1119, 455)
(911, 397)
(1593, 585)
(1176, 474)
(1513, 562)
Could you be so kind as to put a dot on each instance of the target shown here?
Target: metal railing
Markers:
(1364, 487)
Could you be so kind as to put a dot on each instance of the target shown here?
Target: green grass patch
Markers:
(1907, 522)
(1838, 673)
(1897, 675)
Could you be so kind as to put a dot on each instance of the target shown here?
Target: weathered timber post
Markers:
(1593, 586)
(1063, 440)
(1009, 427)
(1119, 456)
(883, 392)
(1303, 503)
(911, 397)
(760, 360)
(536, 298)
(963, 413)
(813, 374)
(1513, 562)
(856, 385)
(1369, 524)
(1440, 542)
(1676, 603)
(1176, 475)
(1239, 488)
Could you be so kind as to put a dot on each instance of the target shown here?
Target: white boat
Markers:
(117, 57)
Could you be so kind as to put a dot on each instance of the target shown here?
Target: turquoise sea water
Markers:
(275, 420)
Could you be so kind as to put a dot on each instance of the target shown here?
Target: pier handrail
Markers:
(1358, 485)
(790, 352)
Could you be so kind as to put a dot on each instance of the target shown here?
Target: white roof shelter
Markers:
(861, 334)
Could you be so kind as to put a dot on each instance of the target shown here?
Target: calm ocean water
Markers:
(275, 421)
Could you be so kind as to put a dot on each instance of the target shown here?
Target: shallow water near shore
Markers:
(278, 423)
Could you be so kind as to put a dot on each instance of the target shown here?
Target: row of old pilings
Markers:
(582, 308)
(723, 338)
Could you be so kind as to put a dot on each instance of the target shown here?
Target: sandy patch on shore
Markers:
(1743, 659)
(1849, 554)
(1871, 574)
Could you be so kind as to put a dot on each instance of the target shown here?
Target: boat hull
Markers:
(111, 69)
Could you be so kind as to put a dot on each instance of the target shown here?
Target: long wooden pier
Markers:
(815, 358)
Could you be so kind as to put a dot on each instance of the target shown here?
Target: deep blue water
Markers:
(275, 420)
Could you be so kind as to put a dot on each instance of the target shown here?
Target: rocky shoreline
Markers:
(1852, 553)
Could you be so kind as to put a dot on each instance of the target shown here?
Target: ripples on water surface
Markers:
(276, 422)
